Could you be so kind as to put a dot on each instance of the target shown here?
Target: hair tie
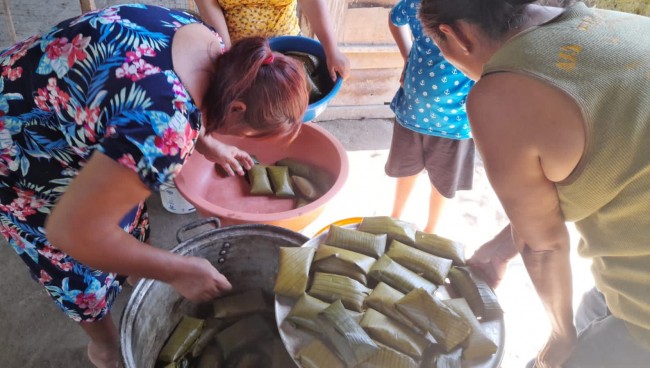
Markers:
(269, 59)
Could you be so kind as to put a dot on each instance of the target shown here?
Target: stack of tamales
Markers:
(368, 297)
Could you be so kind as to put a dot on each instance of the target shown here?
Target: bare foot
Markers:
(101, 357)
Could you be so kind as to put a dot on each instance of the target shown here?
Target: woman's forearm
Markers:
(212, 14)
(317, 13)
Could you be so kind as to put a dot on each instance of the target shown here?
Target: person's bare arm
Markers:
(512, 117)
(84, 224)
(212, 14)
(318, 16)
(402, 37)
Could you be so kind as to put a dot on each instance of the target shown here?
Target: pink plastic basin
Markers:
(227, 198)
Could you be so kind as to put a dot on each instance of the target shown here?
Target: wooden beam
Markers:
(10, 21)
(87, 5)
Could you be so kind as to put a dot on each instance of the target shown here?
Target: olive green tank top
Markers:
(601, 59)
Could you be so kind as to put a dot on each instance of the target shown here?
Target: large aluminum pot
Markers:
(246, 254)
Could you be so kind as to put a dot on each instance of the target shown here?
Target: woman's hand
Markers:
(230, 158)
(337, 62)
(199, 281)
(492, 257)
(557, 350)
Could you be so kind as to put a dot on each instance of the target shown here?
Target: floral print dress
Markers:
(101, 82)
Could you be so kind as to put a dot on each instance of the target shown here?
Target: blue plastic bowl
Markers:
(313, 47)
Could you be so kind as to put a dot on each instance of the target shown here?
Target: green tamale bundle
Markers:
(280, 181)
(305, 187)
(478, 294)
(210, 357)
(387, 357)
(357, 241)
(383, 299)
(329, 259)
(293, 273)
(441, 247)
(317, 355)
(477, 346)
(210, 329)
(383, 329)
(395, 229)
(321, 178)
(425, 310)
(304, 314)
(236, 305)
(398, 276)
(248, 330)
(259, 179)
(351, 342)
(330, 287)
(433, 268)
(180, 341)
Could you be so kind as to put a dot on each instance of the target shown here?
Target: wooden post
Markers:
(10, 21)
(87, 5)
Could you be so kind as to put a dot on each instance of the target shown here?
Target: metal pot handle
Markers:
(194, 224)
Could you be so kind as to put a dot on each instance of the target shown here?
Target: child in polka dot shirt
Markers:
(431, 131)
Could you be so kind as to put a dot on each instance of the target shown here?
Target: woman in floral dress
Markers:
(94, 118)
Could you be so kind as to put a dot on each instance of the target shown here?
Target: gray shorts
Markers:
(449, 162)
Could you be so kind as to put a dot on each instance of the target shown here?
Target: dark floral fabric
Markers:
(101, 82)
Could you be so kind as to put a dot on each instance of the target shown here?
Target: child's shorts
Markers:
(84, 294)
(449, 162)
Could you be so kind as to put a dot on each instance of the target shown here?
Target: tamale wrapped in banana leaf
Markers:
(351, 342)
(310, 63)
(280, 358)
(387, 357)
(248, 302)
(293, 273)
(180, 341)
(330, 287)
(432, 268)
(210, 329)
(479, 295)
(383, 298)
(304, 313)
(441, 247)
(280, 181)
(248, 330)
(305, 187)
(318, 355)
(210, 357)
(341, 261)
(398, 276)
(260, 183)
(427, 311)
(372, 245)
(393, 334)
(395, 229)
(321, 178)
(478, 345)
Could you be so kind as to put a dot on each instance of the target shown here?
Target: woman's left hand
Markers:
(557, 350)
(230, 158)
(337, 62)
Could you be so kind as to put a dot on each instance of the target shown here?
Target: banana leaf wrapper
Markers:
(330, 288)
(341, 261)
(211, 357)
(259, 179)
(280, 358)
(425, 310)
(383, 299)
(395, 229)
(383, 329)
(305, 187)
(180, 341)
(304, 313)
(433, 268)
(248, 302)
(478, 345)
(210, 329)
(318, 355)
(321, 178)
(441, 247)
(387, 357)
(398, 276)
(479, 295)
(280, 181)
(310, 61)
(293, 273)
(373, 245)
(352, 344)
(247, 331)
